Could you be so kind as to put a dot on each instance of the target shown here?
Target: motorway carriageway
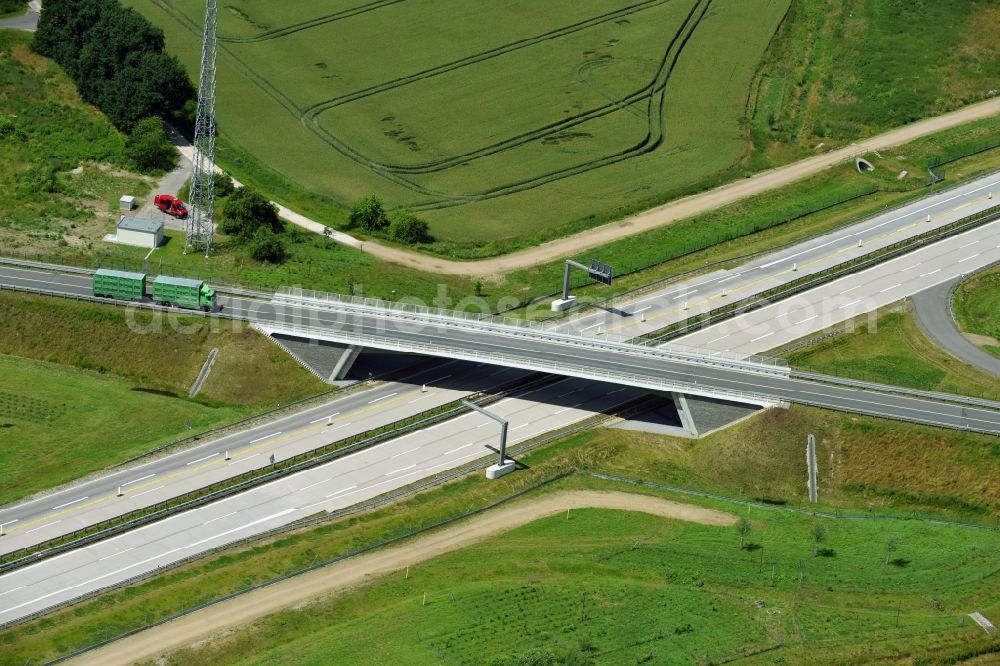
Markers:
(148, 482)
(838, 301)
(648, 312)
(74, 284)
(335, 485)
(769, 327)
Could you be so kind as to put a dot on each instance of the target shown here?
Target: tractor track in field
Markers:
(642, 94)
(653, 93)
(320, 107)
(276, 33)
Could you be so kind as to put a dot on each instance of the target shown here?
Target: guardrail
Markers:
(416, 313)
(243, 482)
(868, 411)
(421, 314)
(623, 411)
(901, 390)
(58, 268)
(650, 381)
(565, 316)
(808, 282)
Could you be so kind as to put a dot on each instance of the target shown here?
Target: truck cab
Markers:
(207, 298)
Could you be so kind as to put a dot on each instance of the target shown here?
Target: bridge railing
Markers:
(648, 381)
(416, 312)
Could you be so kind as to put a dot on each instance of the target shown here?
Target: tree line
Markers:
(117, 60)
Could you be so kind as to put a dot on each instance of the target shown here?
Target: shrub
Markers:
(148, 146)
(266, 246)
(10, 6)
(117, 59)
(222, 184)
(408, 228)
(246, 212)
(369, 215)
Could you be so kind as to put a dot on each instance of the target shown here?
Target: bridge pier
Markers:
(344, 363)
(684, 412)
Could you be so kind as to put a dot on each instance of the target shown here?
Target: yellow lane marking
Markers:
(706, 300)
(243, 454)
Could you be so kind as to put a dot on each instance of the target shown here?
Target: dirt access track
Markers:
(678, 209)
(355, 571)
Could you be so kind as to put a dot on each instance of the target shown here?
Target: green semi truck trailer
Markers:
(182, 292)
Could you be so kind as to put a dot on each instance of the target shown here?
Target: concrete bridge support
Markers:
(344, 363)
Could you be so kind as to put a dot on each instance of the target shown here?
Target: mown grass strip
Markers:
(245, 481)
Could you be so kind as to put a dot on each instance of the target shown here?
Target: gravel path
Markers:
(27, 21)
(682, 208)
(223, 617)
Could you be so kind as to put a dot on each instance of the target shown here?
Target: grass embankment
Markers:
(839, 71)
(977, 307)
(47, 132)
(62, 225)
(784, 216)
(59, 423)
(635, 588)
(100, 389)
(848, 600)
(895, 351)
(10, 8)
(158, 351)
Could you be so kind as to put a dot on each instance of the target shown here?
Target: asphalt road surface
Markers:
(342, 483)
(27, 21)
(629, 318)
(643, 368)
(933, 311)
(843, 299)
(146, 483)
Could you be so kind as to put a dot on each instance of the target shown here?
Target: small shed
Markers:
(140, 231)
(127, 202)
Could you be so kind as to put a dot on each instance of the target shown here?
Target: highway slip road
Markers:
(652, 311)
(342, 483)
(817, 309)
(150, 482)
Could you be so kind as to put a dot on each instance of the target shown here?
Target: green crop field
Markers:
(935, 473)
(635, 588)
(85, 386)
(494, 120)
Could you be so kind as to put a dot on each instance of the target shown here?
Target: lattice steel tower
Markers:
(199, 226)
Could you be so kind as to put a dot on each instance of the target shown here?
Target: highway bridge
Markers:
(392, 326)
(509, 345)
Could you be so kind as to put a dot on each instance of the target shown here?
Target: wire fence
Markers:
(408, 492)
(243, 482)
(624, 411)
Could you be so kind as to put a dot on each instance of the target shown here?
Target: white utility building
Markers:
(139, 231)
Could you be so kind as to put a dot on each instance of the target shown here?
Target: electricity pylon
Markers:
(199, 226)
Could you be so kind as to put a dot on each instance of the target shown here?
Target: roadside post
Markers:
(504, 465)
(598, 271)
